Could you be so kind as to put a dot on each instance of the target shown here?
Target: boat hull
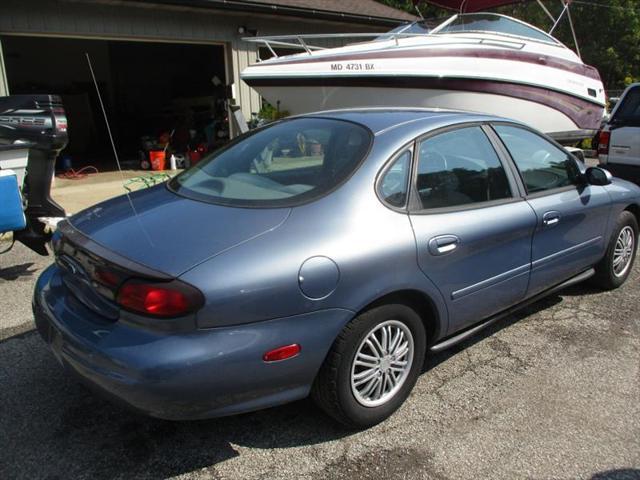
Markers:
(544, 85)
(558, 114)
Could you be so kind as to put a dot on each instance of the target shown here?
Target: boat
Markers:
(473, 61)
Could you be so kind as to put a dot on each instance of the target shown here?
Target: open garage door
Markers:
(153, 93)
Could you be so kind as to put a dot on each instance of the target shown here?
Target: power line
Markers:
(596, 4)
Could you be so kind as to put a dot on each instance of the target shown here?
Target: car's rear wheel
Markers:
(372, 366)
(614, 269)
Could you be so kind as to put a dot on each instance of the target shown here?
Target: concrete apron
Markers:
(76, 195)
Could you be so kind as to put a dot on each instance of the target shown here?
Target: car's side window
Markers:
(543, 165)
(458, 168)
(628, 112)
(393, 186)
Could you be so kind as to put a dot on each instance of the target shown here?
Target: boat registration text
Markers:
(352, 66)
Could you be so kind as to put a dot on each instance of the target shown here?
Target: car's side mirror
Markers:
(597, 176)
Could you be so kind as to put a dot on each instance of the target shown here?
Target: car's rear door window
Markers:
(543, 166)
(458, 168)
(284, 164)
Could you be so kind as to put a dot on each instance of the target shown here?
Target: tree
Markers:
(608, 32)
(427, 10)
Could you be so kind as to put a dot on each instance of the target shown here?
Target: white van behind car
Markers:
(618, 141)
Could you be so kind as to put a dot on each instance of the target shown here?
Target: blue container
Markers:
(11, 213)
(66, 163)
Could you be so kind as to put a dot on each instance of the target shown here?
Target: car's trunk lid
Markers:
(169, 233)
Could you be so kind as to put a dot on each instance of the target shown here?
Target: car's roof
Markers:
(383, 119)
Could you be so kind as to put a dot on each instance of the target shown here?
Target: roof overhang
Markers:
(248, 6)
(468, 6)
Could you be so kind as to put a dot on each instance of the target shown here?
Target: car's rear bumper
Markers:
(199, 374)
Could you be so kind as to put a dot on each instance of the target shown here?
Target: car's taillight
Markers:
(604, 138)
(170, 299)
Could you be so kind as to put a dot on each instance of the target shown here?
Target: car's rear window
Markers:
(285, 164)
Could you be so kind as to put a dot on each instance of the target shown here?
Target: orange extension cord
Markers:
(71, 174)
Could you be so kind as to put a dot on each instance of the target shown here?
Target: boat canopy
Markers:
(469, 6)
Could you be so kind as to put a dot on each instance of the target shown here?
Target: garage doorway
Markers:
(150, 90)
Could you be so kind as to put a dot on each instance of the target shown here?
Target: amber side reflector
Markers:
(282, 353)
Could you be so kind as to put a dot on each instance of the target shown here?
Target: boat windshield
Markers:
(492, 23)
(418, 28)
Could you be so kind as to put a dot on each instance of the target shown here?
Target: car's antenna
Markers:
(113, 144)
(104, 114)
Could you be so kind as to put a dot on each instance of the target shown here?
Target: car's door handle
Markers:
(550, 219)
(443, 244)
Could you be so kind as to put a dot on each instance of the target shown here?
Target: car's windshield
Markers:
(493, 23)
(417, 28)
(284, 164)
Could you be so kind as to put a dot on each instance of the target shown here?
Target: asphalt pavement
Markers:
(550, 393)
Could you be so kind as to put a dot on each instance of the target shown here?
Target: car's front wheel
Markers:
(614, 269)
(372, 366)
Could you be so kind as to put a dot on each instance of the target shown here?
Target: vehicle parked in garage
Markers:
(618, 141)
(326, 254)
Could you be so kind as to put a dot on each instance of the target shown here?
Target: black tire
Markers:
(332, 390)
(605, 277)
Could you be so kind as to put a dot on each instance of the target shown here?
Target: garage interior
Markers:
(154, 93)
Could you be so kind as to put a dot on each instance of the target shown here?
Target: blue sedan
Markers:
(325, 255)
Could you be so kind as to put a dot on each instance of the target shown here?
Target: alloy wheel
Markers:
(382, 363)
(623, 251)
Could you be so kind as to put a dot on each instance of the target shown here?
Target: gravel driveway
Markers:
(552, 393)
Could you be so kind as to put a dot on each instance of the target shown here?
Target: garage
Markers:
(166, 69)
(153, 93)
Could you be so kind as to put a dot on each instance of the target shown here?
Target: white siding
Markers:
(244, 54)
(4, 85)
